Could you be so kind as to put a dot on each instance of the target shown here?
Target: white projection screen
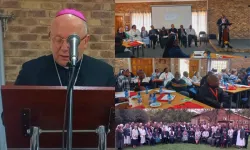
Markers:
(165, 15)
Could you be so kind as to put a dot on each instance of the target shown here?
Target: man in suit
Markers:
(220, 21)
(153, 35)
(182, 35)
(53, 70)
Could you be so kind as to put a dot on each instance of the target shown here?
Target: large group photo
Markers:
(182, 83)
(205, 129)
(181, 29)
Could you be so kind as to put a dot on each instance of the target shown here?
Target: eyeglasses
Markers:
(59, 40)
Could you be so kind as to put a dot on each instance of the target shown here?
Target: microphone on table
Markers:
(74, 41)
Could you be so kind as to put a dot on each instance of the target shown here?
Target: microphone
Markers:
(74, 41)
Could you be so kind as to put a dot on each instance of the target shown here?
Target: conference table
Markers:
(179, 101)
(239, 89)
(215, 56)
(128, 45)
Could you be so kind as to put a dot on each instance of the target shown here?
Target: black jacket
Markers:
(42, 72)
(206, 96)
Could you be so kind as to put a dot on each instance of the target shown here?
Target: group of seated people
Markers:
(128, 81)
(167, 39)
(208, 92)
(152, 133)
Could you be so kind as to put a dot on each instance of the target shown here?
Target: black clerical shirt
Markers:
(42, 72)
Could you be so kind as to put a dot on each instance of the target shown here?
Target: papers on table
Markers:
(199, 54)
(165, 91)
(166, 97)
(119, 94)
(145, 91)
(241, 86)
(223, 87)
(121, 103)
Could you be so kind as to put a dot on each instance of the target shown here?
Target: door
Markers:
(118, 22)
(193, 67)
(144, 64)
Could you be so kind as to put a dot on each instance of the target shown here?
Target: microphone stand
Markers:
(69, 109)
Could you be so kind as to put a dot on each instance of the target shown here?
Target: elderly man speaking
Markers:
(52, 70)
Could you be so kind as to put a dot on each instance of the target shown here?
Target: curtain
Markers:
(199, 21)
(141, 19)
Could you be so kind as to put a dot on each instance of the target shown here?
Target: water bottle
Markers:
(226, 86)
(160, 90)
(139, 98)
(150, 99)
(146, 90)
(154, 98)
(126, 94)
(169, 98)
(222, 82)
(152, 77)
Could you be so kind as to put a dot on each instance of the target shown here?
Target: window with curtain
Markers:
(219, 64)
(199, 21)
(141, 19)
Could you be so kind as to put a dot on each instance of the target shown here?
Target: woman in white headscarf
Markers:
(240, 142)
(135, 135)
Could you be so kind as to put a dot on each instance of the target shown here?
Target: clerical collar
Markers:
(77, 64)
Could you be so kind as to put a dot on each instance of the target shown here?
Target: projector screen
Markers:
(164, 16)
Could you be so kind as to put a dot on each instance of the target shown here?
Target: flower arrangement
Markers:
(227, 44)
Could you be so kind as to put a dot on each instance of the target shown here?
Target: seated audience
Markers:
(156, 74)
(166, 76)
(135, 34)
(195, 78)
(178, 84)
(204, 79)
(191, 35)
(145, 36)
(153, 36)
(233, 77)
(182, 35)
(123, 81)
(172, 49)
(188, 81)
(162, 37)
(121, 34)
(211, 94)
(172, 30)
(120, 49)
(224, 75)
(141, 82)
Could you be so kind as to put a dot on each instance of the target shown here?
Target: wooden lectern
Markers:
(27, 106)
(225, 32)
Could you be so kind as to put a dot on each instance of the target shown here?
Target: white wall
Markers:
(2, 82)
